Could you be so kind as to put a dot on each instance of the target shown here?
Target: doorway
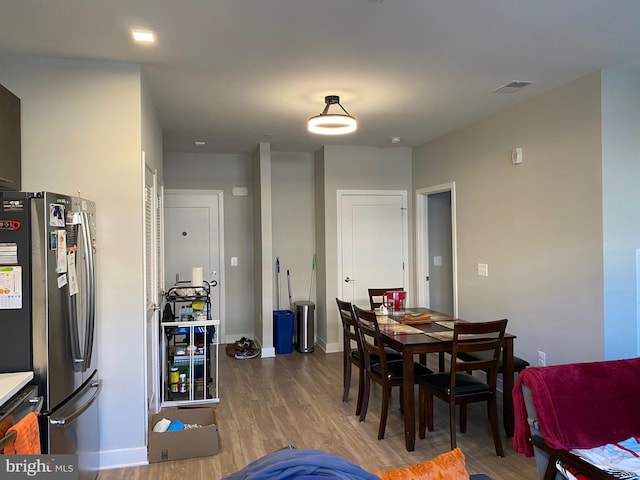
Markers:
(193, 237)
(436, 248)
(372, 243)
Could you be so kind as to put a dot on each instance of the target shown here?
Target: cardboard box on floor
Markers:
(194, 442)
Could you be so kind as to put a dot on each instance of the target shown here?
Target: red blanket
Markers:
(579, 405)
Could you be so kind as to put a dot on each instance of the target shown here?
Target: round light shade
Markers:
(332, 124)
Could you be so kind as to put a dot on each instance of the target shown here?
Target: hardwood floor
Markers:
(295, 399)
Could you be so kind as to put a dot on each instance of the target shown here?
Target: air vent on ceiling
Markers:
(512, 86)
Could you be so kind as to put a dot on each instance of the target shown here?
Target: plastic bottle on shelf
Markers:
(174, 378)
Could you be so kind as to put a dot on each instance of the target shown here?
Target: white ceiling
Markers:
(237, 72)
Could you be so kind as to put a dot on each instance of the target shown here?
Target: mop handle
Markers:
(313, 269)
(289, 287)
(278, 283)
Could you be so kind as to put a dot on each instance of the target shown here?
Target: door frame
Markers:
(422, 241)
(221, 274)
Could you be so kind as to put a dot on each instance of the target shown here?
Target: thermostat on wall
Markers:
(239, 191)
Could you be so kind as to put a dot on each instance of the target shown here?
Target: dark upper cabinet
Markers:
(10, 178)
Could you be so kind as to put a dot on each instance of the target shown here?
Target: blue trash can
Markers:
(283, 331)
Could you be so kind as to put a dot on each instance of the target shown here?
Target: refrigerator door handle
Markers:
(82, 349)
(66, 419)
(90, 290)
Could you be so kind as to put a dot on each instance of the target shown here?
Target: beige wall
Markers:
(292, 194)
(537, 225)
(350, 168)
(151, 133)
(223, 172)
(81, 131)
(292, 220)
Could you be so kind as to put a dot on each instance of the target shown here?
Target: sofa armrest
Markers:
(584, 467)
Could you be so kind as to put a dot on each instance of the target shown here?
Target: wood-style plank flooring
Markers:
(295, 399)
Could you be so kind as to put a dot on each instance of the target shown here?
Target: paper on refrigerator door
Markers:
(61, 251)
(73, 278)
(10, 288)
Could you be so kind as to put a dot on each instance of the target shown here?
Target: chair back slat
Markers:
(370, 337)
(473, 337)
(349, 327)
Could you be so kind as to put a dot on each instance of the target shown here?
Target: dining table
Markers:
(419, 331)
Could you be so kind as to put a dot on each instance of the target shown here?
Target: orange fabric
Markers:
(448, 466)
(6, 423)
(27, 439)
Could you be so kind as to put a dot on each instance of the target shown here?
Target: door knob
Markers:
(348, 280)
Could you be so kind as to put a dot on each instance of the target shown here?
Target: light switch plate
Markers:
(516, 156)
(234, 261)
(483, 269)
(437, 260)
(239, 191)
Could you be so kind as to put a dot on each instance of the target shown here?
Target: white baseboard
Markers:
(332, 348)
(131, 457)
(268, 352)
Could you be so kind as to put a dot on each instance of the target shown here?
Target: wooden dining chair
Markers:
(353, 352)
(375, 295)
(386, 373)
(459, 386)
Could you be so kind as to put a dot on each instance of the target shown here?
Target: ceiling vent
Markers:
(512, 86)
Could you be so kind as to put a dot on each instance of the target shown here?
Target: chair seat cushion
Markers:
(394, 369)
(465, 384)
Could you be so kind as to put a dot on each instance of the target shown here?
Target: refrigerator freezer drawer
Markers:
(73, 429)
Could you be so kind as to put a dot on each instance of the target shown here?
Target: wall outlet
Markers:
(542, 359)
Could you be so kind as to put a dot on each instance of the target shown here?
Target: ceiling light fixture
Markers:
(332, 123)
(143, 36)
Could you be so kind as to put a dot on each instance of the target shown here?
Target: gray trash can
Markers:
(304, 328)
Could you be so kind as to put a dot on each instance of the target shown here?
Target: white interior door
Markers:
(373, 245)
(193, 238)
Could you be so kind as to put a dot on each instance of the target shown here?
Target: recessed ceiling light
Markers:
(199, 143)
(143, 36)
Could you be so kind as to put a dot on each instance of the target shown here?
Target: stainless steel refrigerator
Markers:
(47, 314)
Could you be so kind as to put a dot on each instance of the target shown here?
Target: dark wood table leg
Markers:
(507, 387)
(409, 401)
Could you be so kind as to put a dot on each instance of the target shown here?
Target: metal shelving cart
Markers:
(189, 349)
